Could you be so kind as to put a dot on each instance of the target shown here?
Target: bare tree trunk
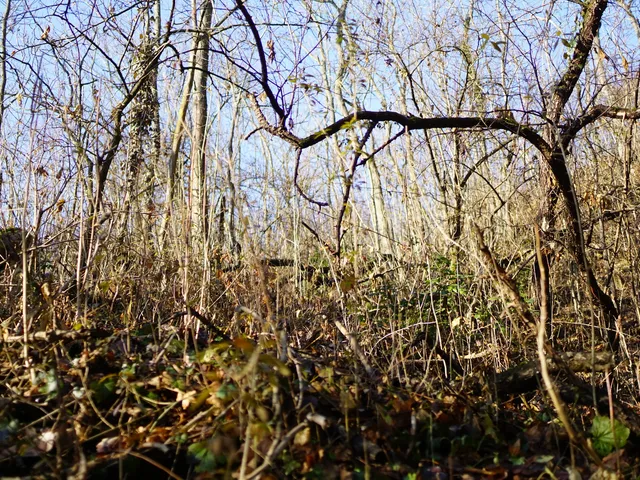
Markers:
(383, 233)
(142, 118)
(229, 206)
(199, 221)
(558, 138)
(151, 172)
(3, 59)
(176, 142)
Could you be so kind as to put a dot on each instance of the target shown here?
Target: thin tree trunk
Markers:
(198, 148)
(384, 235)
(3, 59)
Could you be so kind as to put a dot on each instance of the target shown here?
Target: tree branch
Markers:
(593, 114)
(505, 282)
(410, 122)
(264, 72)
(483, 159)
(349, 183)
(381, 147)
(300, 191)
(592, 12)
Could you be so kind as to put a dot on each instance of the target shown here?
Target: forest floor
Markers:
(110, 403)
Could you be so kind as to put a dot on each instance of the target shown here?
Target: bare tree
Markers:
(553, 141)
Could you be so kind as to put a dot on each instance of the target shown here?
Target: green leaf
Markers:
(544, 458)
(206, 459)
(128, 371)
(488, 427)
(568, 43)
(227, 391)
(50, 387)
(606, 439)
(104, 389)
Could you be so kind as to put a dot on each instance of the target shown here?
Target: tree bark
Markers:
(198, 148)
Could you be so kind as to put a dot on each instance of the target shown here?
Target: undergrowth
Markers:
(251, 376)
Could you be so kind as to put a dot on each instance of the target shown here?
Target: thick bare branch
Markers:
(410, 122)
(418, 123)
(592, 12)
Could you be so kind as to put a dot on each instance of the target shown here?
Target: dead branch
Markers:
(505, 282)
(56, 335)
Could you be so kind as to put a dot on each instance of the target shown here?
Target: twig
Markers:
(216, 330)
(298, 188)
(349, 184)
(355, 348)
(277, 449)
(329, 248)
(382, 147)
(55, 335)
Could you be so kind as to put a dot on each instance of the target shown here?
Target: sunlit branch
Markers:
(593, 114)
(410, 122)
